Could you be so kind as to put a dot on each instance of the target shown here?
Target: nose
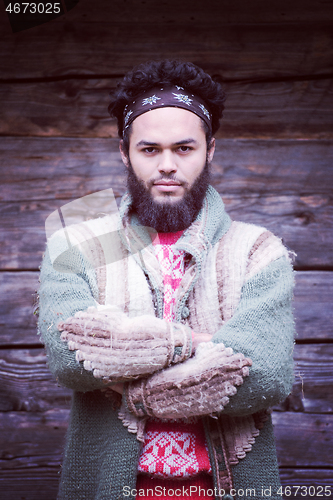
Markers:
(167, 163)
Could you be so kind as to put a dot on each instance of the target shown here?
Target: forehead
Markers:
(167, 125)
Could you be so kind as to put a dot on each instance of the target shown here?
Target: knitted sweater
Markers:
(172, 449)
(238, 287)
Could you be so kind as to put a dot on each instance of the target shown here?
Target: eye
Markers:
(184, 149)
(149, 150)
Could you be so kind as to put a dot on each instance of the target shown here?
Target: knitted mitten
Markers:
(115, 346)
(200, 386)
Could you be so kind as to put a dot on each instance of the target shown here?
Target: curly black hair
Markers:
(174, 72)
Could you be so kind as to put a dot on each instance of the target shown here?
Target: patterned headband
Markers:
(175, 97)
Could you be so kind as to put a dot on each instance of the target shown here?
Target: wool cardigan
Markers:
(237, 287)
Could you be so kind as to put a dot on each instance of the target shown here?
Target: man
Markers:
(175, 351)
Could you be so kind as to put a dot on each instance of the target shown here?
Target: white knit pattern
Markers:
(169, 454)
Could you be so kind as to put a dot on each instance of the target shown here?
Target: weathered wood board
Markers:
(30, 484)
(295, 220)
(41, 483)
(285, 109)
(312, 483)
(312, 389)
(313, 298)
(299, 436)
(32, 439)
(27, 384)
(312, 305)
(35, 441)
(66, 168)
(219, 12)
(282, 185)
(213, 11)
(78, 108)
(106, 38)
(18, 323)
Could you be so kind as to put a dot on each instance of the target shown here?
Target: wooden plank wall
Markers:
(273, 166)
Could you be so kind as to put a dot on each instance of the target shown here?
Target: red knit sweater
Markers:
(173, 449)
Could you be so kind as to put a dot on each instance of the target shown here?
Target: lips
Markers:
(167, 186)
(166, 183)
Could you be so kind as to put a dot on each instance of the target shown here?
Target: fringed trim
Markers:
(266, 249)
(134, 424)
(113, 396)
(231, 439)
(240, 432)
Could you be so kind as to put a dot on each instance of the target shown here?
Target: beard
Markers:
(167, 217)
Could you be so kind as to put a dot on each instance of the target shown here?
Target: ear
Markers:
(211, 150)
(123, 154)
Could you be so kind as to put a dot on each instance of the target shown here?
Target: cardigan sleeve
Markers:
(261, 329)
(61, 295)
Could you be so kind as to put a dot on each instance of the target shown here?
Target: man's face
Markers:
(168, 166)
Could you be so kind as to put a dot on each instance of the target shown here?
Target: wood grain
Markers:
(219, 12)
(78, 108)
(299, 436)
(66, 168)
(27, 384)
(313, 297)
(312, 303)
(307, 477)
(295, 219)
(32, 484)
(312, 389)
(18, 323)
(32, 439)
(36, 439)
(284, 185)
(107, 39)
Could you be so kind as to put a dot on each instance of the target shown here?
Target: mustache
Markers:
(167, 178)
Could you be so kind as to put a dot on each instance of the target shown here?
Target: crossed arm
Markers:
(171, 378)
(115, 347)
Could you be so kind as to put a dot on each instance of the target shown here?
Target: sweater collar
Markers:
(210, 225)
